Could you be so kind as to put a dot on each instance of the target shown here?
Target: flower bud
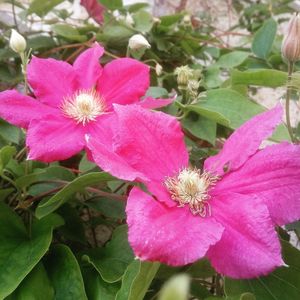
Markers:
(17, 42)
(129, 19)
(158, 69)
(184, 74)
(138, 42)
(291, 43)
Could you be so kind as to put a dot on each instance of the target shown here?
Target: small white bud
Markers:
(137, 42)
(158, 69)
(17, 42)
(129, 20)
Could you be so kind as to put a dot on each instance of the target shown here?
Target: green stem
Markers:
(288, 99)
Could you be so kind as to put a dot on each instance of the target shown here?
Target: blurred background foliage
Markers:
(63, 228)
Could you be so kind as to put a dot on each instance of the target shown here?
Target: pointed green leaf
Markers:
(64, 273)
(136, 280)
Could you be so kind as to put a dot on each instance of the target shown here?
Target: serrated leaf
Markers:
(264, 38)
(136, 280)
(19, 251)
(70, 189)
(64, 273)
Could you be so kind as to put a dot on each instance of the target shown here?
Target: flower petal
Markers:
(54, 138)
(249, 246)
(273, 174)
(100, 144)
(245, 141)
(152, 103)
(151, 142)
(87, 66)
(123, 81)
(19, 109)
(51, 80)
(169, 235)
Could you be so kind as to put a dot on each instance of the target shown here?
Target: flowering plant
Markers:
(140, 157)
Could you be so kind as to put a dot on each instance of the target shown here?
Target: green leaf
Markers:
(264, 38)
(9, 132)
(212, 77)
(201, 127)
(41, 8)
(86, 165)
(112, 4)
(201, 269)
(64, 273)
(226, 107)
(111, 208)
(112, 260)
(96, 288)
(232, 59)
(5, 192)
(70, 189)
(143, 21)
(68, 32)
(19, 251)
(157, 92)
(259, 77)
(136, 280)
(36, 285)
(283, 283)
(6, 154)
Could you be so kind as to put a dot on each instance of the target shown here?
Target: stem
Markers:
(287, 102)
(24, 60)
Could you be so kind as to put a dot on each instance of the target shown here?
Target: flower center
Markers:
(84, 106)
(191, 187)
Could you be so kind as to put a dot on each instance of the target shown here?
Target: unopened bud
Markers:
(137, 42)
(184, 74)
(187, 21)
(158, 69)
(129, 20)
(17, 42)
(291, 42)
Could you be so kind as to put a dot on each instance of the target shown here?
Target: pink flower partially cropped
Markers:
(226, 212)
(73, 101)
(94, 9)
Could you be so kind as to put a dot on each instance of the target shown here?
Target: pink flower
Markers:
(226, 212)
(72, 101)
(94, 9)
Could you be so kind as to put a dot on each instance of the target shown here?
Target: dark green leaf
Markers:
(35, 286)
(9, 132)
(64, 273)
(283, 283)
(68, 32)
(143, 21)
(112, 4)
(6, 154)
(232, 59)
(264, 38)
(70, 189)
(20, 252)
(112, 260)
(136, 280)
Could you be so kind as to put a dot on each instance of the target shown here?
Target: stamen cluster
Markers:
(84, 106)
(191, 187)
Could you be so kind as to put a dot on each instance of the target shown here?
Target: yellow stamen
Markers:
(84, 106)
(191, 187)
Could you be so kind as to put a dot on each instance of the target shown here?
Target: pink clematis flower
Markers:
(72, 101)
(226, 212)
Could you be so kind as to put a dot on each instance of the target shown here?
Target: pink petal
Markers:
(87, 66)
(169, 235)
(152, 103)
(123, 81)
(245, 141)
(151, 142)
(51, 80)
(100, 145)
(54, 138)
(249, 246)
(273, 174)
(19, 109)
(94, 9)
